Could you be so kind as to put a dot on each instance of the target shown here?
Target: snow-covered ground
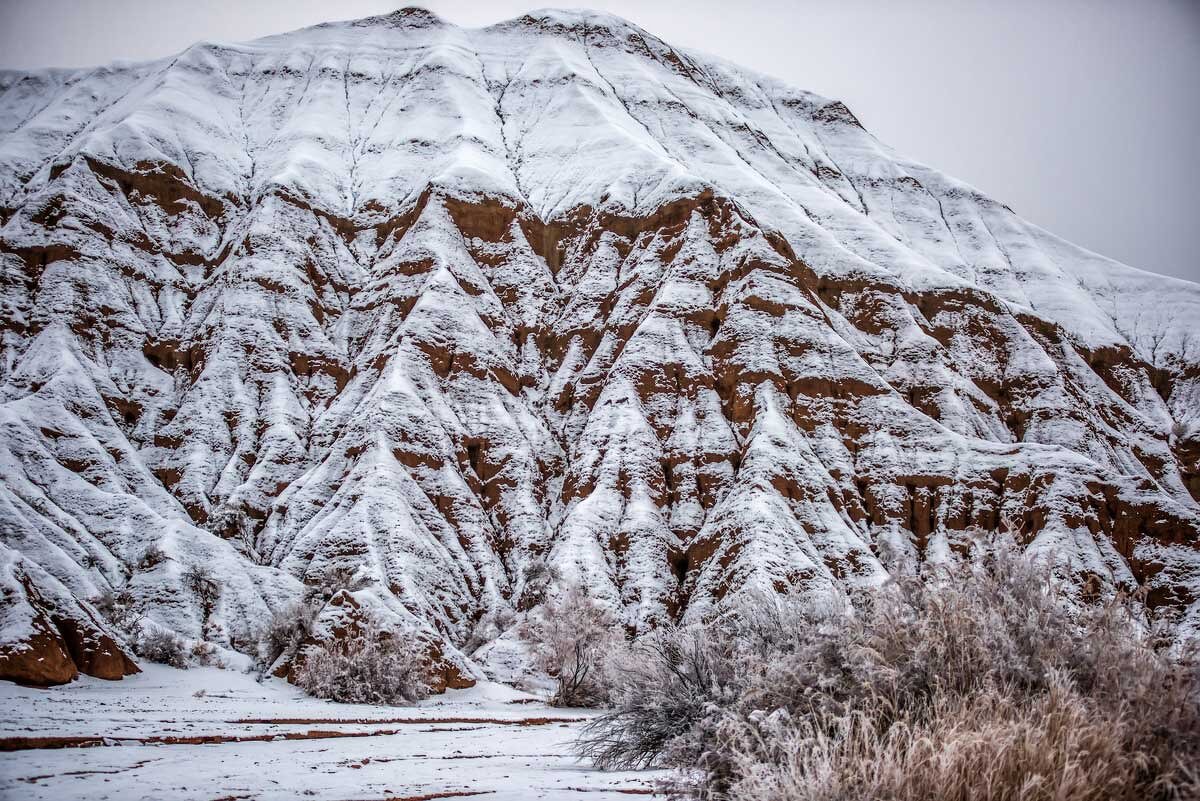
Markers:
(489, 740)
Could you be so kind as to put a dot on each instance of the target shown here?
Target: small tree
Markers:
(570, 637)
(199, 579)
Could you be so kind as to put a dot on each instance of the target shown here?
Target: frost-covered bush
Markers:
(973, 681)
(205, 654)
(665, 689)
(335, 579)
(285, 632)
(157, 645)
(119, 608)
(538, 578)
(375, 668)
(571, 637)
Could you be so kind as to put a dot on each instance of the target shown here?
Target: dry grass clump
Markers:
(990, 746)
(973, 681)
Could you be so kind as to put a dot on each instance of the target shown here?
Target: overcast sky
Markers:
(1082, 115)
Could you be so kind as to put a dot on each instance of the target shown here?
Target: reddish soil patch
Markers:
(32, 743)
(430, 796)
(406, 721)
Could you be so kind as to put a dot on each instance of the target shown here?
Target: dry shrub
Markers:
(159, 645)
(570, 637)
(152, 557)
(974, 681)
(336, 578)
(374, 668)
(119, 608)
(288, 629)
(666, 688)
(206, 655)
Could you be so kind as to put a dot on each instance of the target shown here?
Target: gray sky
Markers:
(1082, 115)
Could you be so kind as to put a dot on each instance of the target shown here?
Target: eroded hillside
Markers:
(431, 308)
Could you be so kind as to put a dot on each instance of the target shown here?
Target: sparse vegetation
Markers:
(151, 558)
(570, 637)
(153, 643)
(158, 645)
(538, 578)
(489, 627)
(119, 608)
(372, 668)
(334, 579)
(285, 632)
(973, 681)
(206, 654)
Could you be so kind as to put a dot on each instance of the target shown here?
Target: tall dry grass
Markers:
(973, 681)
(988, 746)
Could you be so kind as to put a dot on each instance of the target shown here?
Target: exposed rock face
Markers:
(49, 638)
(444, 305)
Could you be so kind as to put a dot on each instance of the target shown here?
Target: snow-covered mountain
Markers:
(421, 310)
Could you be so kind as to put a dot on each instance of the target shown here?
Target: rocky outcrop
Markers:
(443, 308)
(49, 638)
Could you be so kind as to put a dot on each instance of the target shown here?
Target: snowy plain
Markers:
(490, 741)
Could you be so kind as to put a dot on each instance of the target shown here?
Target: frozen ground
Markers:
(487, 740)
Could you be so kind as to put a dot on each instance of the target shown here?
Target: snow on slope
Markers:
(440, 305)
